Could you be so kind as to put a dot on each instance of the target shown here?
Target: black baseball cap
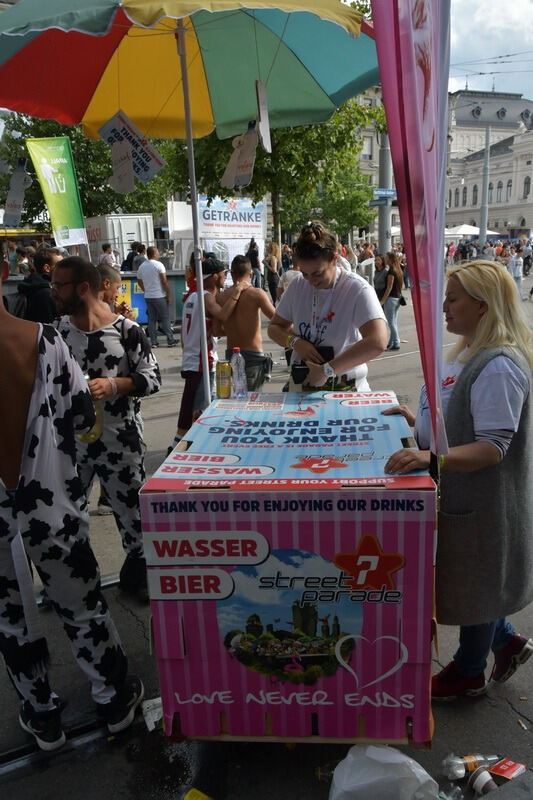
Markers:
(211, 265)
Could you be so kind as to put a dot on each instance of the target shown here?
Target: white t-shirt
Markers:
(340, 312)
(514, 266)
(149, 272)
(287, 278)
(496, 398)
(190, 334)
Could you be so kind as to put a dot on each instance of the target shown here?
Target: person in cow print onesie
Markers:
(43, 510)
(116, 356)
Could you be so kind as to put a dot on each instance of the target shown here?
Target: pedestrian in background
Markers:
(253, 254)
(273, 268)
(484, 568)
(139, 258)
(35, 287)
(515, 266)
(152, 278)
(391, 297)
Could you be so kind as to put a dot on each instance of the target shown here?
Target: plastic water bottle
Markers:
(238, 374)
(456, 767)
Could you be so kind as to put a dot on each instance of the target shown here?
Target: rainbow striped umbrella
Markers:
(83, 60)
(310, 55)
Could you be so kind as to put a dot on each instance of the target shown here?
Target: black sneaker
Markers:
(44, 726)
(120, 713)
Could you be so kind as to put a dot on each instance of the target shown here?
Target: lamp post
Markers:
(484, 210)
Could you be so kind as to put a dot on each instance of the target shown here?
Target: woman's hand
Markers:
(306, 351)
(100, 388)
(406, 460)
(316, 376)
(405, 411)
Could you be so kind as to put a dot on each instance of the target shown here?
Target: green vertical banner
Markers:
(52, 159)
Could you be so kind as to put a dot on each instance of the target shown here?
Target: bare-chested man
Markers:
(243, 328)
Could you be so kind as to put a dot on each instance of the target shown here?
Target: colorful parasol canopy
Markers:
(304, 52)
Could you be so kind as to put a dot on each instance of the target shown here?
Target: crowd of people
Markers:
(80, 364)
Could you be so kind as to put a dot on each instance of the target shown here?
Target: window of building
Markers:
(490, 192)
(499, 192)
(496, 223)
(456, 197)
(465, 192)
(527, 187)
(509, 189)
(367, 101)
(523, 222)
(474, 195)
(450, 199)
(366, 152)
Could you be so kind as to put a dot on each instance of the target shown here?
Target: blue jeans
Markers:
(157, 312)
(390, 308)
(476, 642)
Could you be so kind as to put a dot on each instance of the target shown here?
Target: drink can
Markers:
(223, 379)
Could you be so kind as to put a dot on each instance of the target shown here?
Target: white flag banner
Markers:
(122, 179)
(20, 181)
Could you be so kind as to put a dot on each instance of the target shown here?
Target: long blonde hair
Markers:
(504, 322)
(274, 250)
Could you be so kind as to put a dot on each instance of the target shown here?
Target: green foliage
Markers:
(92, 161)
(341, 209)
(302, 158)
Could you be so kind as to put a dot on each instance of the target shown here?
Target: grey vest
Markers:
(485, 535)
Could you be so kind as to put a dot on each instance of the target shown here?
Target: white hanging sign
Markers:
(20, 181)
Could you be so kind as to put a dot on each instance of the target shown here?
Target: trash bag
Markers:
(381, 773)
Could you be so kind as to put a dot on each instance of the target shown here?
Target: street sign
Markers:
(380, 201)
(385, 193)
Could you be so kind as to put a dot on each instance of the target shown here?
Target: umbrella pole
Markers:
(180, 41)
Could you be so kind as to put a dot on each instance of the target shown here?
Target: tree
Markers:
(92, 161)
(341, 209)
(301, 159)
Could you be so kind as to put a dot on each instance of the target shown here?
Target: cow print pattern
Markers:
(49, 509)
(120, 350)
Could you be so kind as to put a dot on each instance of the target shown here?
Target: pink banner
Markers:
(412, 40)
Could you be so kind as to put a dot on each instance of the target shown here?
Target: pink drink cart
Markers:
(291, 581)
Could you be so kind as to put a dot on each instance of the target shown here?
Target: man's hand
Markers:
(317, 376)
(406, 460)
(100, 388)
(306, 351)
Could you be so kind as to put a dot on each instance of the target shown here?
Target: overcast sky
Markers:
(481, 30)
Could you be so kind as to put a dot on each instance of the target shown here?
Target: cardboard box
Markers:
(291, 580)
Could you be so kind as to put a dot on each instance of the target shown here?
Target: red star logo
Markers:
(330, 316)
(370, 567)
(448, 381)
(319, 465)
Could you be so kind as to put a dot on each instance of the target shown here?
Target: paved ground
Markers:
(143, 766)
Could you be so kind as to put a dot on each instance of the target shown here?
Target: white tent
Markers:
(466, 230)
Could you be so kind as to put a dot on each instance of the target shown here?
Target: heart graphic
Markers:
(395, 667)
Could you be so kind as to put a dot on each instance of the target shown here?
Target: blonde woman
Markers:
(273, 264)
(485, 546)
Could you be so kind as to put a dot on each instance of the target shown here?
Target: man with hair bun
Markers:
(116, 355)
(332, 319)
